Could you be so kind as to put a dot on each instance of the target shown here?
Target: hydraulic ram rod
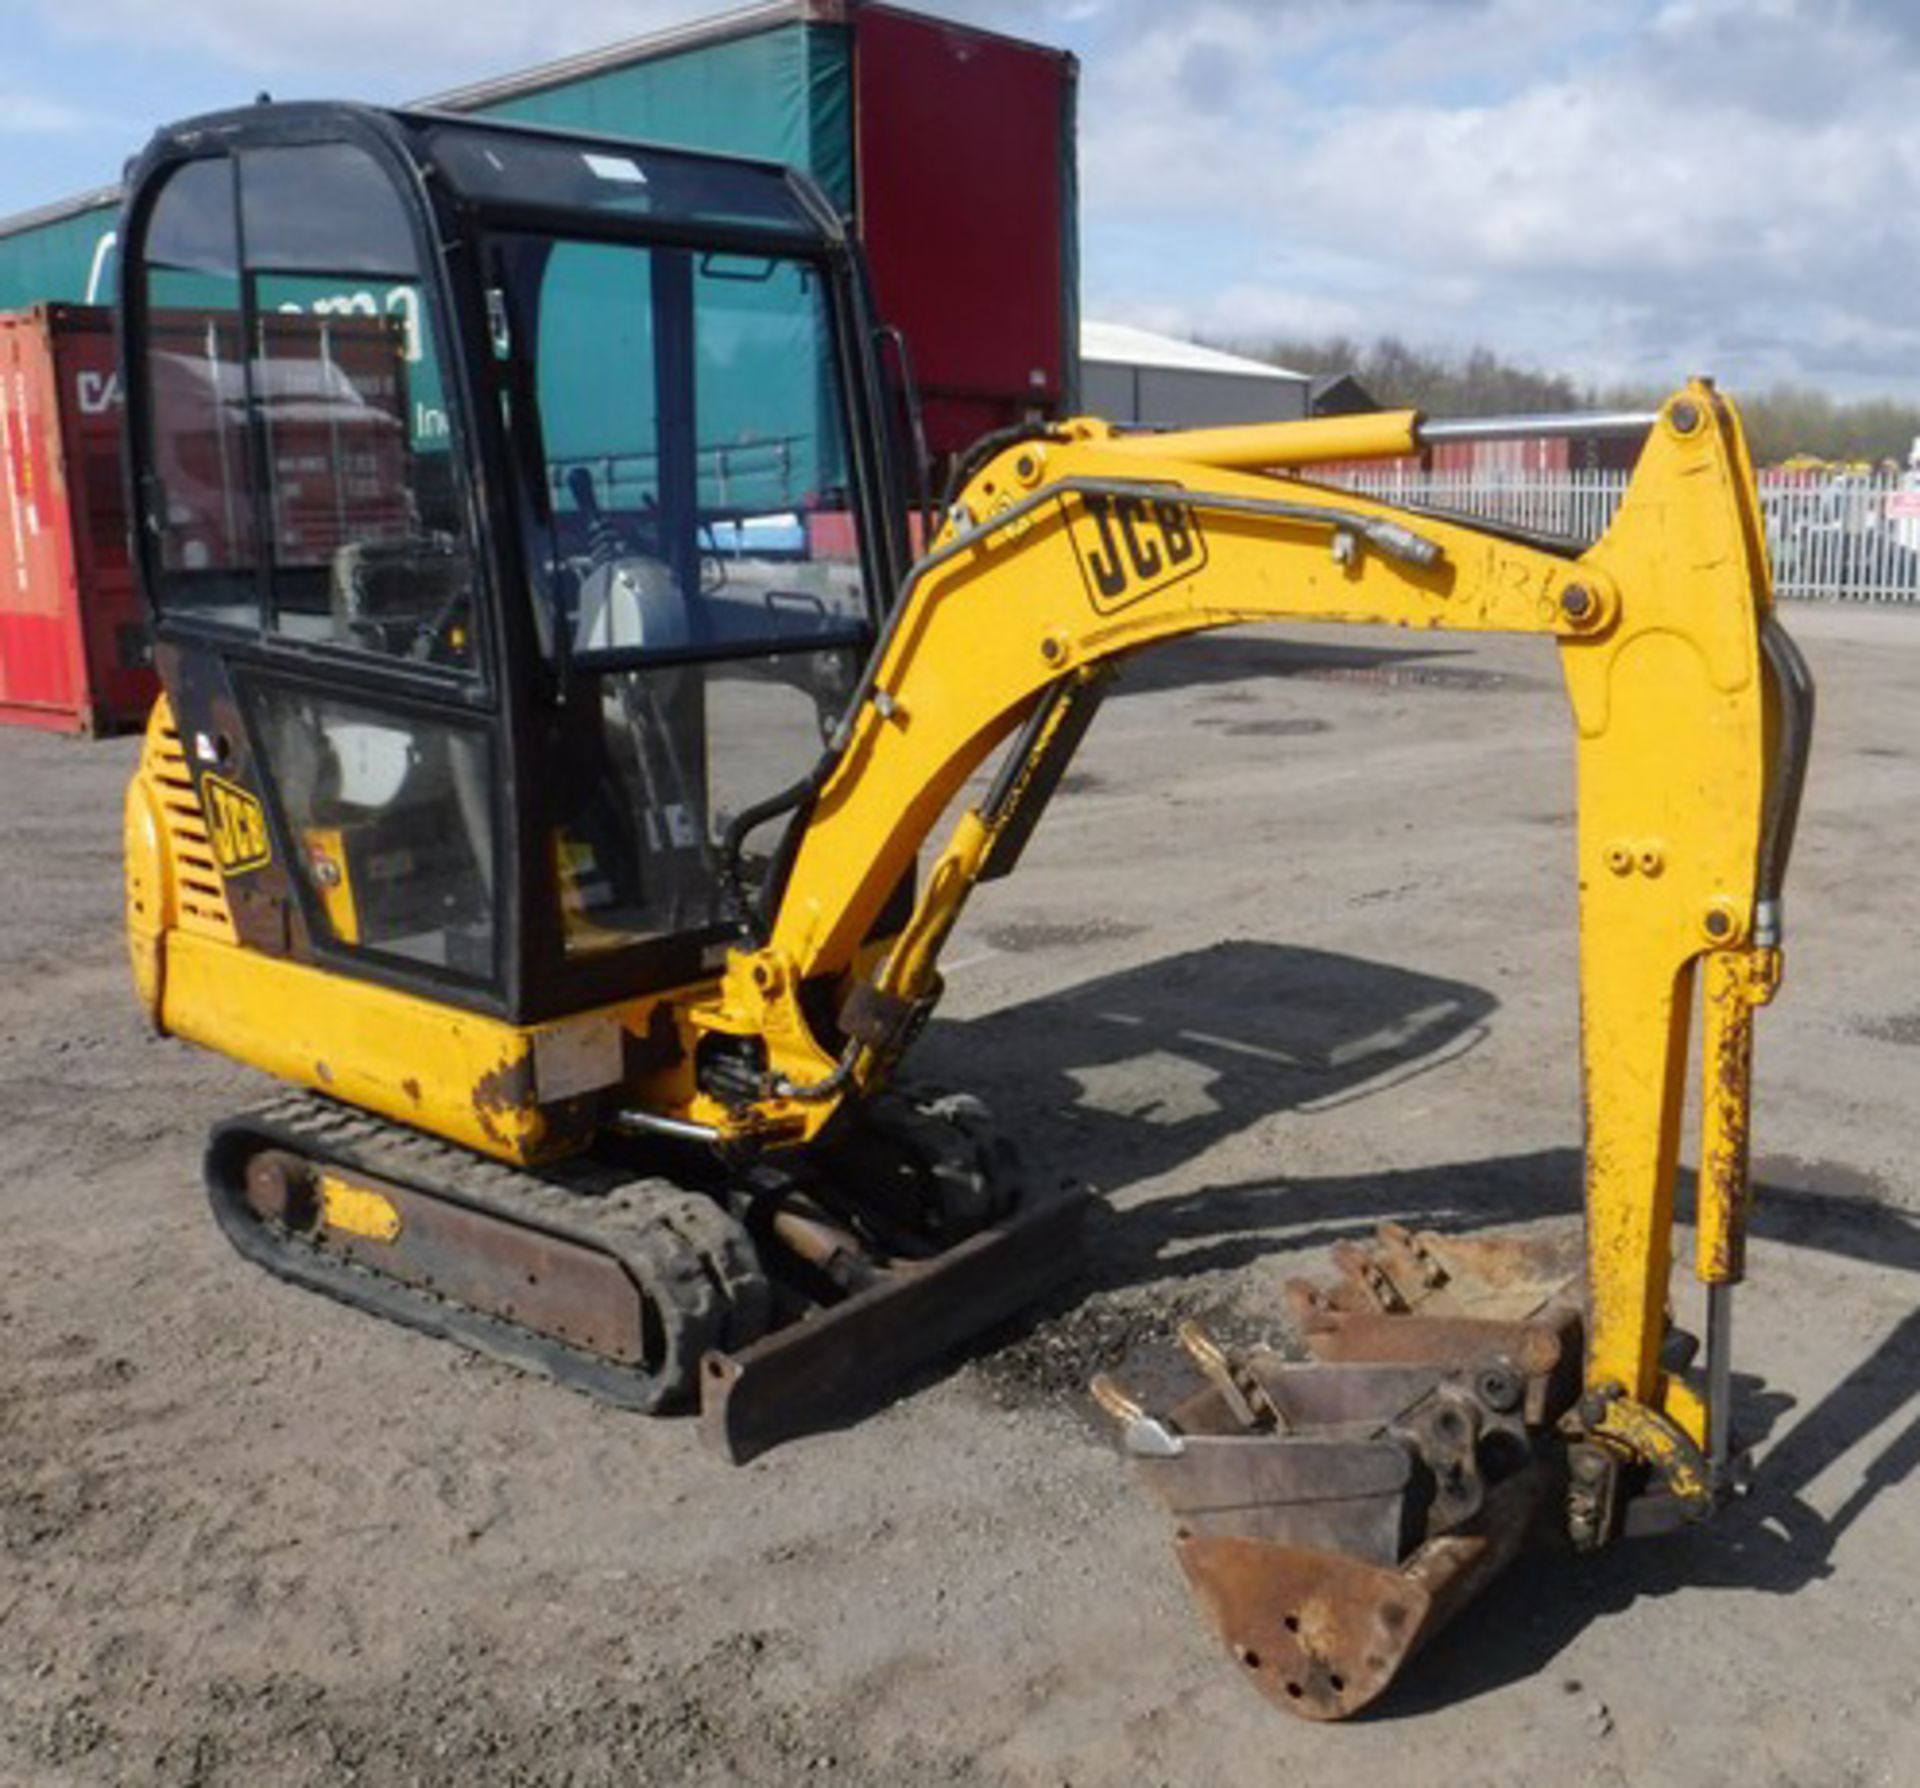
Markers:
(1513, 428)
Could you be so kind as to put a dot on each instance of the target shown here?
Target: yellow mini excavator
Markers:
(554, 717)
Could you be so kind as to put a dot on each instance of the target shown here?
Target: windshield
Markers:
(692, 553)
(680, 414)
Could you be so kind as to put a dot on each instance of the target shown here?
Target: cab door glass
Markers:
(681, 414)
(199, 497)
(693, 545)
(390, 819)
(364, 509)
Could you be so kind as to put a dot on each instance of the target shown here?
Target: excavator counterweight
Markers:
(556, 730)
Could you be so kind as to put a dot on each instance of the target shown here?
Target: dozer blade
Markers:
(838, 1361)
(1332, 1514)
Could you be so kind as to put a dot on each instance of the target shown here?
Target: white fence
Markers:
(1845, 537)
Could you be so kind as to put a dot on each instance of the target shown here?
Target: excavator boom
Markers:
(1691, 714)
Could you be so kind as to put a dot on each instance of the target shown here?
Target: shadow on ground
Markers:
(1147, 1068)
(1128, 1076)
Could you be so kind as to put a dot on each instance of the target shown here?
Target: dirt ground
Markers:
(1292, 954)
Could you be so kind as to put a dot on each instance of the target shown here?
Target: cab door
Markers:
(307, 544)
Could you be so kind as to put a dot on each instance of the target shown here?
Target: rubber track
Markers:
(696, 1264)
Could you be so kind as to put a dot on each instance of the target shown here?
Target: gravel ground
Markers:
(1291, 955)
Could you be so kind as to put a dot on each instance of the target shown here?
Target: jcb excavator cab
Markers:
(515, 512)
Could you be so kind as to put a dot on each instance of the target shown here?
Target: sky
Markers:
(1617, 189)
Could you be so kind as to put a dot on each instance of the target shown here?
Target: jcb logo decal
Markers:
(237, 824)
(1131, 546)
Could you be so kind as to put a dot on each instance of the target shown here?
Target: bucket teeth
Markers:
(1332, 1513)
(1243, 1394)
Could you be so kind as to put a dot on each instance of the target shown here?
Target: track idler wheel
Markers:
(1332, 1514)
(915, 1176)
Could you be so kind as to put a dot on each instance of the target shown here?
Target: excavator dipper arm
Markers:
(1691, 713)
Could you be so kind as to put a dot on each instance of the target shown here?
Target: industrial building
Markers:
(1136, 375)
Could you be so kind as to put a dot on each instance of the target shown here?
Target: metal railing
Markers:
(1832, 537)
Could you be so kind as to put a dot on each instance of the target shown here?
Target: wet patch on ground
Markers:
(1902, 1028)
(1299, 727)
(1080, 782)
(1045, 934)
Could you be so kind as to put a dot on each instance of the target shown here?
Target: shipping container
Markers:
(74, 652)
(950, 150)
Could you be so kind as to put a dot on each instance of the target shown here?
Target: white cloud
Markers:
(442, 39)
(1642, 188)
(1716, 185)
(33, 114)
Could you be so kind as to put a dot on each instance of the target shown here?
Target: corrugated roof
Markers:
(742, 21)
(59, 210)
(1121, 344)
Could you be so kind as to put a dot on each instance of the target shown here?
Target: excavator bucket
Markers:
(1331, 1514)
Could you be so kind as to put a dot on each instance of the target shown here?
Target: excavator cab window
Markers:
(692, 555)
(300, 469)
(301, 480)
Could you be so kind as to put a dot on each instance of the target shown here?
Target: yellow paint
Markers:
(1734, 985)
(326, 848)
(1670, 713)
(1373, 434)
(461, 1075)
(1661, 1443)
(173, 883)
(358, 1210)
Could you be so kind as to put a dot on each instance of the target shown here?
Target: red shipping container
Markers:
(964, 157)
(950, 150)
(74, 652)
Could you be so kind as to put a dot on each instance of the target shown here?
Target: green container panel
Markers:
(60, 261)
(783, 95)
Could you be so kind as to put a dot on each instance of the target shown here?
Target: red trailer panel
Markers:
(963, 165)
(73, 643)
(74, 648)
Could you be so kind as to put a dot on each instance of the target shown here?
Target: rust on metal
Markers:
(1323, 1634)
(503, 1092)
(823, 1369)
(554, 1287)
(1725, 1184)
(1331, 1514)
